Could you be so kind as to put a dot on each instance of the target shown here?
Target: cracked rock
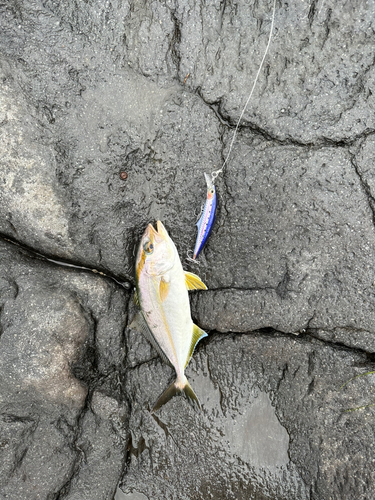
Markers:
(274, 424)
(317, 78)
(103, 446)
(60, 338)
(294, 246)
(83, 120)
(110, 113)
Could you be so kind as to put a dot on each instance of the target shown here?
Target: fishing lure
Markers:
(207, 218)
(206, 222)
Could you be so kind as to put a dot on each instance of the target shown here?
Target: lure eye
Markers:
(148, 247)
(211, 191)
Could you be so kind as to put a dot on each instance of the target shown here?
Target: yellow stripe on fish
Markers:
(162, 295)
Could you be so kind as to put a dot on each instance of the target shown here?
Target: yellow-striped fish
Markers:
(162, 294)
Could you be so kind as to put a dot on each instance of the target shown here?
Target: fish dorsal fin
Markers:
(163, 289)
(140, 325)
(198, 334)
(193, 282)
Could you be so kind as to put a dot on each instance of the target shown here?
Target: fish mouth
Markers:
(160, 228)
(157, 234)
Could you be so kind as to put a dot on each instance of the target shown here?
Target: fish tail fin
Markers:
(168, 394)
(175, 388)
(191, 396)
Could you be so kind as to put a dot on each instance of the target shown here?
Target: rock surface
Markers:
(274, 423)
(63, 421)
(110, 113)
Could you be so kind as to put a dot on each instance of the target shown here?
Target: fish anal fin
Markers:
(198, 334)
(193, 282)
(172, 391)
(140, 325)
(136, 299)
(163, 289)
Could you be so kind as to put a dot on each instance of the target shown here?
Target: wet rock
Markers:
(294, 230)
(32, 205)
(363, 154)
(294, 246)
(120, 495)
(36, 440)
(110, 113)
(60, 338)
(273, 423)
(103, 446)
(91, 120)
(316, 82)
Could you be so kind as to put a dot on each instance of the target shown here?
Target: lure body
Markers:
(207, 219)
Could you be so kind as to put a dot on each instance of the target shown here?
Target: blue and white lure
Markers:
(207, 218)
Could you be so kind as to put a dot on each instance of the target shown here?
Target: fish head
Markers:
(156, 253)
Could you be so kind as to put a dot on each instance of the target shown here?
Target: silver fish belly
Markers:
(165, 318)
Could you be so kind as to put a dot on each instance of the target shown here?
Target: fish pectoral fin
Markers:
(163, 289)
(139, 324)
(198, 334)
(193, 282)
(172, 391)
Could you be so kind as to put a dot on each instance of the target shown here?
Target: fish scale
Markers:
(162, 294)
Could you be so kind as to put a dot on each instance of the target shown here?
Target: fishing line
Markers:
(207, 218)
(216, 173)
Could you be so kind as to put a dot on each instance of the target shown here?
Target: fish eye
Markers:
(148, 247)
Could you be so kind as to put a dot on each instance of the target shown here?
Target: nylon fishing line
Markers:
(207, 219)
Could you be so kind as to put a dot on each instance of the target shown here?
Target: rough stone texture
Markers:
(307, 257)
(92, 119)
(273, 423)
(63, 420)
(318, 79)
(153, 89)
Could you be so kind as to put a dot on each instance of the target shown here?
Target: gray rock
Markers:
(274, 423)
(103, 446)
(110, 113)
(316, 82)
(294, 229)
(92, 120)
(61, 338)
(294, 245)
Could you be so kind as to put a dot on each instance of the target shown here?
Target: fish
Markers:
(164, 317)
(207, 219)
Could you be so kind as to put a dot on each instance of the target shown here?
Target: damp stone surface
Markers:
(110, 114)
